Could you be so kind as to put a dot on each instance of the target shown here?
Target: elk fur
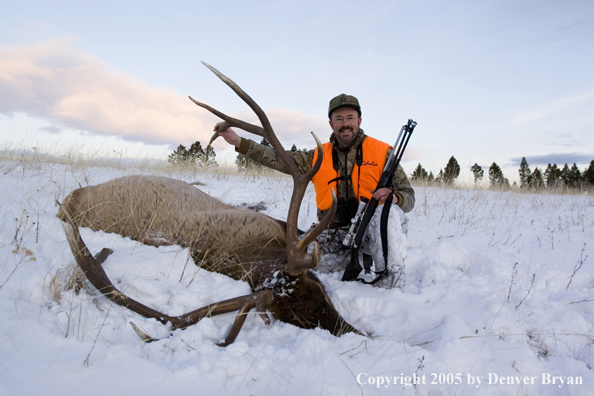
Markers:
(242, 244)
(161, 211)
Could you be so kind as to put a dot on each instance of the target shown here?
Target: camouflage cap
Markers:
(344, 100)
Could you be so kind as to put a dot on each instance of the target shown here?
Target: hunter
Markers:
(353, 163)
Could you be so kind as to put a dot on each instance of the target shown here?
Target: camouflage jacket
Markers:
(304, 159)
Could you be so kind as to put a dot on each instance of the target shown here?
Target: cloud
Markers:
(554, 158)
(73, 89)
(51, 129)
(544, 110)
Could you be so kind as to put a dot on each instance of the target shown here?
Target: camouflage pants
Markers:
(334, 256)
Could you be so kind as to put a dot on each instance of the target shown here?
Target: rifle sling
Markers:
(354, 268)
(336, 163)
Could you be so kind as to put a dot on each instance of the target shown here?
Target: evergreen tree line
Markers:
(569, 178)
(554, 177)
(446, 176)
(198, 157)
(194, 156)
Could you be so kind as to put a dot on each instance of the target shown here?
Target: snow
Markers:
(495, 293)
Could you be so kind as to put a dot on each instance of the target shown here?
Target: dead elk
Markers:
(239, 243)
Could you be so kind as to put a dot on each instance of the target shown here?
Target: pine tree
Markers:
(209, 158)
(588, 175)
(525, 173)
(419, 174)
(547, 174)
(243, 163)
(552, 175)
(478, 173)
(536, 180)
(565, 176)
(195, 154)
(574, 176)
(496, 177)
(439, 178)
(179, 155)
(452, 171)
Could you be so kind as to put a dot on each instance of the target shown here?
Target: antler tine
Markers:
(259, 300)
(311, 235)
(93, 271)
(246, 126)
(300, 183)
(316, 166)
(321, 226)
(296, 264)
(267, 127)
(298, 193)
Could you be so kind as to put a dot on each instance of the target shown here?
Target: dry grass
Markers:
(76, 158)
(68, 278)
(583, 190)
(80, 160)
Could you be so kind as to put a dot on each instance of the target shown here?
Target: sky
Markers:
(487, 81)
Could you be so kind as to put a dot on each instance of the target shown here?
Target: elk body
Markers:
(245, 245)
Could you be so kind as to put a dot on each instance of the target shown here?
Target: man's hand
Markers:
(229, 135)
(383, 193)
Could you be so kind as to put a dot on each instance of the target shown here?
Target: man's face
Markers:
(345, 123)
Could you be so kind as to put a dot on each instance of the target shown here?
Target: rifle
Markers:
(365, 211)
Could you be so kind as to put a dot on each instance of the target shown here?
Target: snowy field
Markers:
(499, 300)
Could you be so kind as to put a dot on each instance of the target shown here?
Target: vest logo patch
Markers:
(369, 163)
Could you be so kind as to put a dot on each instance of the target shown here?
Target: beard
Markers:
(343, 137)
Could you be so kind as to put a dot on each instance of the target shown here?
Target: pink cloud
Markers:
(74, 89)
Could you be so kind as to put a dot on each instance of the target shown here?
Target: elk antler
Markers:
(94, 272)
(296, 250)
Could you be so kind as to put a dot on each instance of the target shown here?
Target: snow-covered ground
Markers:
(499, 300)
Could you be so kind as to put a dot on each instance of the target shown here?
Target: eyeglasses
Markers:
(340, 120)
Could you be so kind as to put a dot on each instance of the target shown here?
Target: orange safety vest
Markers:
(363, 180)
